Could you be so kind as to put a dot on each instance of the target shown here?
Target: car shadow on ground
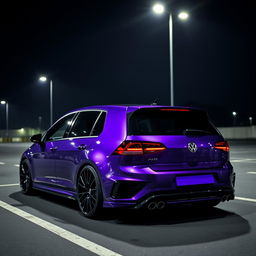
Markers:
(173, 226)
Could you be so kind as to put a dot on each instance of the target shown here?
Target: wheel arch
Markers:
(24, 158)
(92, 164)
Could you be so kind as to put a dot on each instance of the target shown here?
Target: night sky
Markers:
(114, 52)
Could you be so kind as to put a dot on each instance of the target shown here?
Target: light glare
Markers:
(3, 102)
(234, 113)
(42, 78)
(183, 15)
(158, 8)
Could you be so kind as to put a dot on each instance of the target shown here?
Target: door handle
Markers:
(82, 147)
(54, 148)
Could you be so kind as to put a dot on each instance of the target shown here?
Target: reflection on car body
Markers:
(130, 156)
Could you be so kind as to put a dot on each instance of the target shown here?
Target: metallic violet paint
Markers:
(56, 171)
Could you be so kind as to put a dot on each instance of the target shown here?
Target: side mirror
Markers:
(37, 138)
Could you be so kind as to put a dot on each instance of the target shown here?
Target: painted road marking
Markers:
(16, 165)
(9, 185)
(251, 172)
(243, 160)
(73, 238)
(246, 199)
(239, 152)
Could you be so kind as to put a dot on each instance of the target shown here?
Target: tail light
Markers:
(139, 148)
(222, 145)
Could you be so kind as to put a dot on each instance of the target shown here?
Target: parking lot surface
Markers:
(43, 224)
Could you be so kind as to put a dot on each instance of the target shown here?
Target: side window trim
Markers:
(67, 132)
(45, 135)
(75, 118)
(74, 121)
(97, 119)
(76, 114)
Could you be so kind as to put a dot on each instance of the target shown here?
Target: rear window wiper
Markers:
(195, 131)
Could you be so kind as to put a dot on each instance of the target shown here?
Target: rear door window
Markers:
(84, 124)
(98, 127)
(164, 121)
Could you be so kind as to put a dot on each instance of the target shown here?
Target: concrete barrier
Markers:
(243, 132)
(14, 139)
(18, 135)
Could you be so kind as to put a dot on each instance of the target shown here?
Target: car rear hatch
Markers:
(180, 139)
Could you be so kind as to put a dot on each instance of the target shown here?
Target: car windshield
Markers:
(168, 121)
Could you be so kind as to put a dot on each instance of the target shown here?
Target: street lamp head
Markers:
(183, 15)
(158, 8)
(250, 118)
(3, 102)
(43, 79)
(234, 113)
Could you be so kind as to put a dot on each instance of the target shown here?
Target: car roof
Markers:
(128, 107)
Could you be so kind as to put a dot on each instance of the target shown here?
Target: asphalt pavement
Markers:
(43, 224)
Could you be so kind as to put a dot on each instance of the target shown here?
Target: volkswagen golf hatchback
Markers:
(130, 156)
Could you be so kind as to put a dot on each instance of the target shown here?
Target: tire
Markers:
(89, 192)
(25, 178)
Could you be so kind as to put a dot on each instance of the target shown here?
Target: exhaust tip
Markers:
(161, 205)
(152, 206)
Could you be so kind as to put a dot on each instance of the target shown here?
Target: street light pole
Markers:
(171, 59)
(3, 102)
(40, 123)
(51, 102)
(43, 79)
(7, 119)
(250, 120)
(234, 117)
(159, 9)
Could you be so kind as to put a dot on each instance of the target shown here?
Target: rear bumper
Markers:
(141, 188)
(176, 197)
(189, 197)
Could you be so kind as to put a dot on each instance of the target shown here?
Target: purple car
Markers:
(130, 156)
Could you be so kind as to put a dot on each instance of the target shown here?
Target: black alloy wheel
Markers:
(25, 178)
(89, 192)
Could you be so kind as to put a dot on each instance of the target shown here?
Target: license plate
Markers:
(195, 180)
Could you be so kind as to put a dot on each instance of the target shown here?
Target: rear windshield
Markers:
(156, 121)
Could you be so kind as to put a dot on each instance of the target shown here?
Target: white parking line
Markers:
(9, 185)
(239, 152)
(246, 199)
(16, 165)
(251, 172)
(243, 160)
(78, 240)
